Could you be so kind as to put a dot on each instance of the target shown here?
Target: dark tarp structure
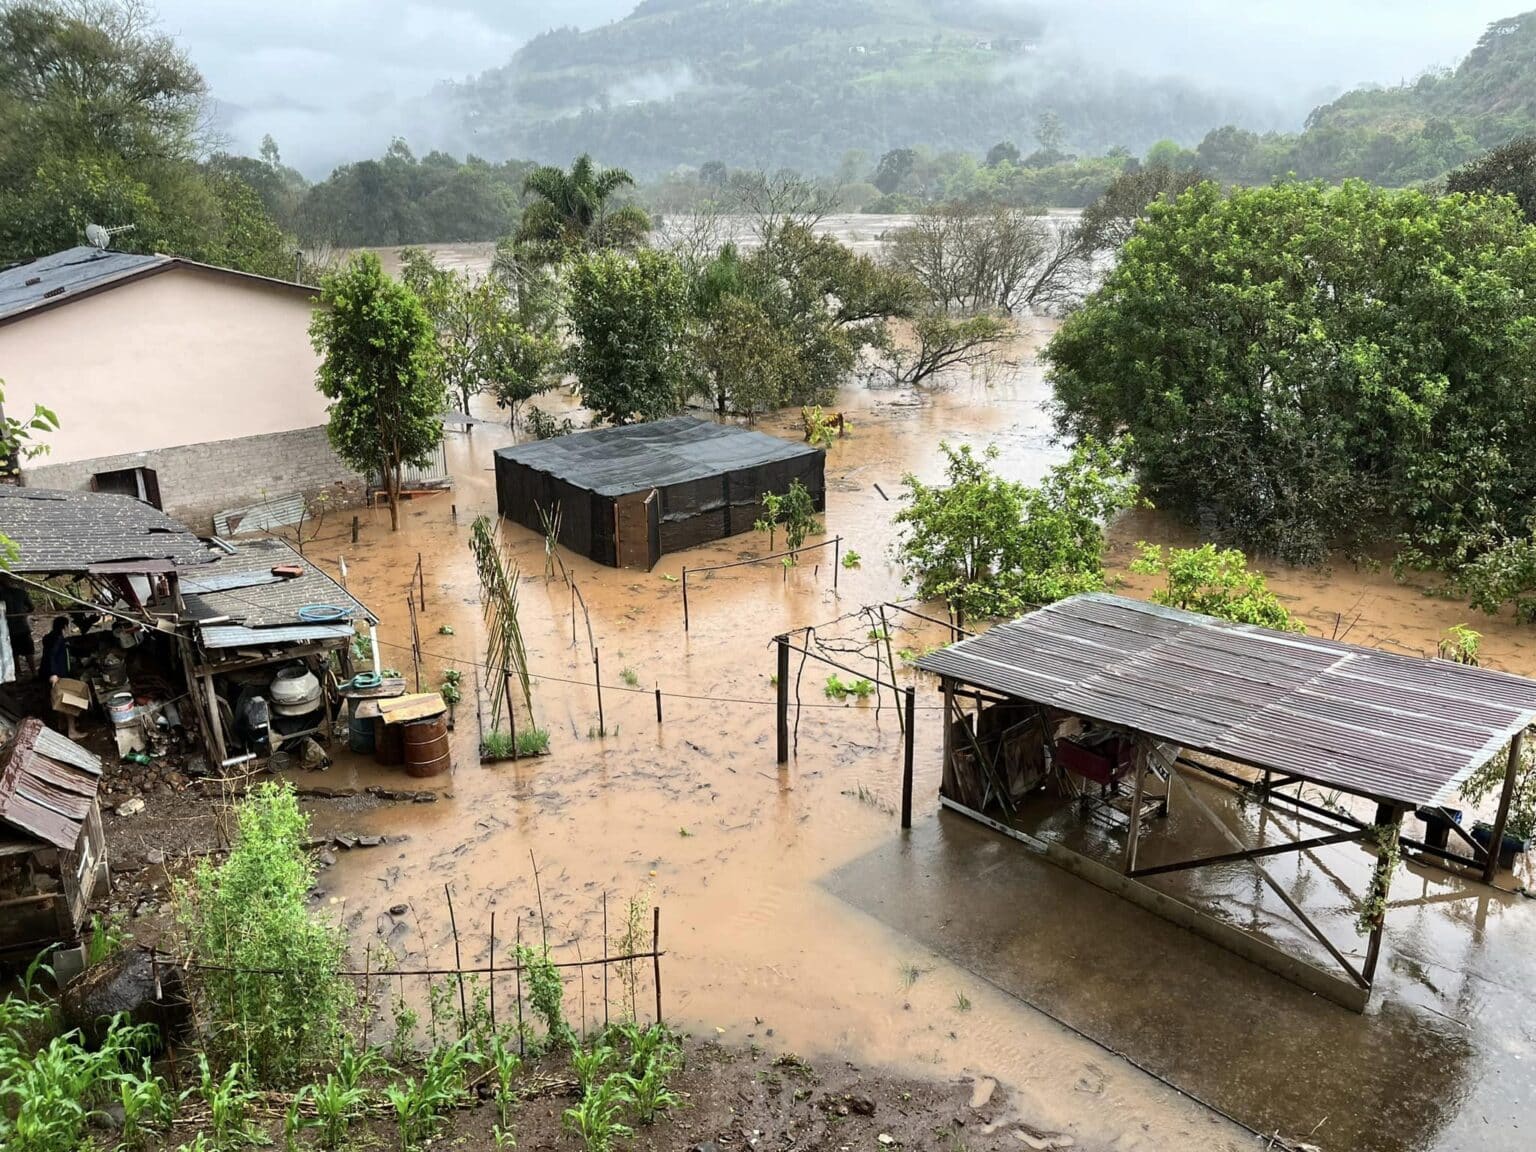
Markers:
(625, 495)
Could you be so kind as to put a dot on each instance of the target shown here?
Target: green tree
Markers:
(1302, 367)
(1216, 582)
(628, 315)
(1509, 170)
(379, 371)
(991, 547)
(893, 168)
(273, 1002)
(572, 211)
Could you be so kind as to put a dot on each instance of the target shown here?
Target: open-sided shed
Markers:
(1123, 703)
(625, 495)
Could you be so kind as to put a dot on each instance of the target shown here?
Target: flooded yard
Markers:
(796, 915)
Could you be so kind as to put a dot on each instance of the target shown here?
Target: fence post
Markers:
(458, 963)
(685, 597)
(597, 679)
(837, 555)
(421, 577)
(518, 956)
(354, 529)
(492, 976)
(658, 705)
(511, 719)
(656, 956)
(910, 707)
(782, 703)
(605, 958)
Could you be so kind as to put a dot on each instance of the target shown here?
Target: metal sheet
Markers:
(229, 636)
(1373, 723)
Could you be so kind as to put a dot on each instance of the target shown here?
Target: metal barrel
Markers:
(426, 747)
(360, 734)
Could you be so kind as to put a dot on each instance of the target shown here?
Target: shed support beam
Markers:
(213, 716)
(1133, 835)
(1381, 884)
(1248, 854)
(1501, 822)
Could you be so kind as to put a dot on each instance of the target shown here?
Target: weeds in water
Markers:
(497, 745)
(851, 559)
(684, 832)
(532, 742)
(630, 677)
(839, 689)
(630, 942)
(864, 796)
(962, 1002)
(910, 973)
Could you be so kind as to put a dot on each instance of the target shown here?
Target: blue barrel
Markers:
(360, 734)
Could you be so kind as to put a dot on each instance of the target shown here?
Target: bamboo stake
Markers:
(493, 970)
(367, 1001)
(597, 679)
(539, 891)
(519, 955)
(605, 952)
(458, 962)
(656, 956)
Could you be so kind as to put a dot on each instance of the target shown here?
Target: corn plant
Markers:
(589, 1064)
(49, 1093)
(295, 1120)
(228, 1100)
(419, 1105)
(648, 1092)
(595, 1119)
(336, 1104)
(506, 1063)
(147, 1104)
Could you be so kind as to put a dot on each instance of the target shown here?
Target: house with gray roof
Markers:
(188, 386)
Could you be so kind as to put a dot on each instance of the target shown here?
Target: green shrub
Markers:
(546, 993)
(275, 1002)
(532, 742)
(497, 745)
(839, 689)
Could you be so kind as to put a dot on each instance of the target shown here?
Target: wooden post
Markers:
(421, 577)
(837, 555)
(354, 529)
(782, 704)
(458, 963)
(949, 721)
(1133, 834)
(367, 1000)
(658, 705)
(492, 976)
(1381, 880)
(511, 719)
(1501, 821)
(597, 679)
(685, 597)
(213, 715)
(518, 955)
(656, 956)
(605, 958)
(906, 759)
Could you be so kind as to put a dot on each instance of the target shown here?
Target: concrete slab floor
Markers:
(1443, 1059)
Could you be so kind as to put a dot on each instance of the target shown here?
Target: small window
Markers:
(140, 483)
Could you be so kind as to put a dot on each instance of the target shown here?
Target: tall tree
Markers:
(571, 211)
(1302, 367)
(379, 371)
(1506, 171)
(628, 315)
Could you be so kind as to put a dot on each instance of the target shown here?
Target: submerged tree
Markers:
(627, 316)
(1216, 582)
(992, 547)
(571, 211)
(379, 370)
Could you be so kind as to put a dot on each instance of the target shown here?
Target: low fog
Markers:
(334, 80)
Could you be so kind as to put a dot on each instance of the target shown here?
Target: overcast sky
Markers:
(332, 80)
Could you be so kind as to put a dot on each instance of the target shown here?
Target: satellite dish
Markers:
(101, 238)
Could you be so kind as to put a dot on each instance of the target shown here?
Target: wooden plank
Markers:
(416, 706)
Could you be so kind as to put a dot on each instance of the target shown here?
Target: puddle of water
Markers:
(694, 813)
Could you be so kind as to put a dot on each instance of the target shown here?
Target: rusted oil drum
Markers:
(388, 743)
(426, 747)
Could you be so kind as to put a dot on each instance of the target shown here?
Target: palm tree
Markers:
(571, 210)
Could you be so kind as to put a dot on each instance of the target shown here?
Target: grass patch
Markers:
(630, 676)
(497, 745)
(962, 1002)
(532, 742)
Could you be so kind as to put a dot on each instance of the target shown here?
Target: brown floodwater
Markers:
(794, 912)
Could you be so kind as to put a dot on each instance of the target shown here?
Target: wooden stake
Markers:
(367, 1001)
(519, 957)
(354, 529)
(1501, 821)
(539, 891)
(837, 555)
(597, 678)
(782, 702)
(421, 577)
(685, 597)
(458, 963)
(656, 955)
(605, 953)
(658, 705)
(492, 976)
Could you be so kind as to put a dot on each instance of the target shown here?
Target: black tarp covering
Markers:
(709, 480)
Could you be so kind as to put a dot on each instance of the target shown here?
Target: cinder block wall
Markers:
(199, 480)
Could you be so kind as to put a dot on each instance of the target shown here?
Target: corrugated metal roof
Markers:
(635, 457)
(1373, 723)
(41, 282)
(233, 636)
(72, 531)
(41, 795)
(262, 610)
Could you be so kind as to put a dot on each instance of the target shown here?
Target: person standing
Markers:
(56, 664)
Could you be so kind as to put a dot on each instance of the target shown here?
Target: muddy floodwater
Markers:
(796, 915)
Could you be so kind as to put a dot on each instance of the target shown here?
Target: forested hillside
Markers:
(797, 83)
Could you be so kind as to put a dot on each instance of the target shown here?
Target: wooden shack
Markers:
(53, 859)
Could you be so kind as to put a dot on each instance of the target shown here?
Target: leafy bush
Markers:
(546, 994)
(839, 689)
(992, 547)
(271, 999)
(1216, 582)
(795, 510)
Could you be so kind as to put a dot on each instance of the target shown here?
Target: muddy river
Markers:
(790, 900)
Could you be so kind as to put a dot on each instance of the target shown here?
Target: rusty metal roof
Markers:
(47, 784)
(1372, 723)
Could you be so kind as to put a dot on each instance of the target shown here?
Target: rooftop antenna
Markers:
(101, 238)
